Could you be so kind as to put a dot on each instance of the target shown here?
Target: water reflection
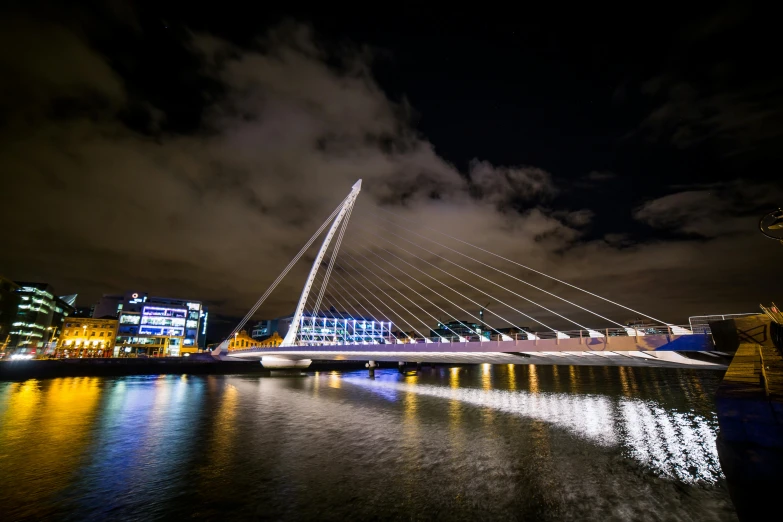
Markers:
(45, 425)
(674, 444)
(463, 443)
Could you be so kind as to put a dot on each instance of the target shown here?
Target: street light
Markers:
(52, 342)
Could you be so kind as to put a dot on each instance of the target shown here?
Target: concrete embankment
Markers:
(202, 364)
(750, 414)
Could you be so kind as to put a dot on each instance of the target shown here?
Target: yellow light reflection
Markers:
(533, 377)
(486, 376)
(454, 377)
(632, 380)
(512, 377)
(555, 378)
(47, 428)
(624, 382)
(573, 378)
(223, 434)
(334, 380)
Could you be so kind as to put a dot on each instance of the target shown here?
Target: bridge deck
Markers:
(649, 350)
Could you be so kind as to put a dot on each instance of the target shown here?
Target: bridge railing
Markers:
(628, 331)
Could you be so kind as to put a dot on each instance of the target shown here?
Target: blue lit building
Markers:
(328, 327)
(155, 326)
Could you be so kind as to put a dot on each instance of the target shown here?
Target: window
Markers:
(92, 334)
(102, 334)
(108, 334)
(66, 332)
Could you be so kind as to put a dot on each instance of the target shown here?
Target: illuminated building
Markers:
(39, 317)
(87, 337)
(9, 302)
(456, 329)
(242, 341)
(334, 327)
(272, 341)
(154, 326)
(262, 329)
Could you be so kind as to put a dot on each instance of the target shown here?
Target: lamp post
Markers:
(52, 342)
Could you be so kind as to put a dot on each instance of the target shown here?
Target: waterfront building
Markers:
(242, 341)
(455, 329)
(87, 337)
(154, 326)
(272, 341)
(262, 329)
(331, 326)
(39, 317)
(9, 303)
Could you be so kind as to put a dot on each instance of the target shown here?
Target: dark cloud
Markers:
(720, 209)
(95, 205)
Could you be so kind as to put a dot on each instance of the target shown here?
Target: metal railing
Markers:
(604, 333)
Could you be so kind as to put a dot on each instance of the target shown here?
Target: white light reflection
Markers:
(674, 445)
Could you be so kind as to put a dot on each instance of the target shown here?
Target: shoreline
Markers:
(110, 367)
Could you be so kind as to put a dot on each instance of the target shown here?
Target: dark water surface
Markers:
(471, 443)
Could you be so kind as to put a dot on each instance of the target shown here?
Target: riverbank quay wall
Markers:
(749, 404)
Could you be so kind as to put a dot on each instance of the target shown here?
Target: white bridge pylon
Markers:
(342, 217)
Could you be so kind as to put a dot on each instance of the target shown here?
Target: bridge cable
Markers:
(280, 277)
(444, 284)
(335, 249)
(436, 293)
(411, 300)
(525, 267)
(390, 297)
(393, 312)
(361, 305)
(501, 286)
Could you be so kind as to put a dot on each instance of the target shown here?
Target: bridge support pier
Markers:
(274, 362)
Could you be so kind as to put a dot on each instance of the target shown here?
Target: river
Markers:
(469, 443)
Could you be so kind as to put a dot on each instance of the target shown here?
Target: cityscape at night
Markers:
(267, 262)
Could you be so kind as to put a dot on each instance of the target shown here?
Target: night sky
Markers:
(190, 151)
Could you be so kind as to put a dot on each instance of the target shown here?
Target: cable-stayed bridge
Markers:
(411, 293)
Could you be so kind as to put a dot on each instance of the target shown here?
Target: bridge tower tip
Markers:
(357, 185)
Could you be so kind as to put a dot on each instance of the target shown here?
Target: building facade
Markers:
(262, 329)
(455, 330)
(329, 327)
(83, 337)
(39, 318)
(243, 341)
(9, 304)
(156, 326)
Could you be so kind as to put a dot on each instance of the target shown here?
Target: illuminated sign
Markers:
(158, 311)
(134, 295)
(162, 321)
(129, 319)
(194, 306)
(162, 330)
